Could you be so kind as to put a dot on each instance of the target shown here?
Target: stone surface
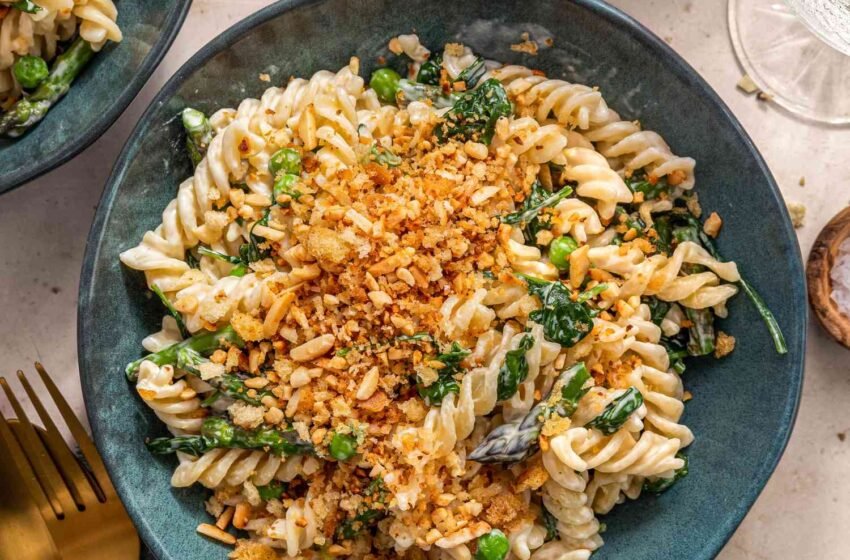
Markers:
(44, 227)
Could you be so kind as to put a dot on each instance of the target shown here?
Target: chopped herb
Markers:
(350, 528)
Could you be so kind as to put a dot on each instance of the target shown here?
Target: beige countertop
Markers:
(804, 511)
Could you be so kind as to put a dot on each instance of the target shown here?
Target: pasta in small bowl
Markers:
(75, 64)
(430, 295)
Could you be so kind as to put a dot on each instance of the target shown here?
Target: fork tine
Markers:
(69, 468)
(13, 448)
(87, 448)
(38, 456)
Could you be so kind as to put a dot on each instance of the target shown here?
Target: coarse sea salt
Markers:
(840, 276)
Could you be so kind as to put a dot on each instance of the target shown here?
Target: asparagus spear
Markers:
(217, 432)
(30, 110)
(514, 441)
(198, 134)
(203, 343)
(227, 384)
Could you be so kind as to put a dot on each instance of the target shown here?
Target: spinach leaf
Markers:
(272, 491)
(430, 70)
(472, 73)
(701, 331)
(528, 216)
(515, 369)
(659, 485)
(445, 382)
(251, 252)
(617, 412)
(572, 389)
(640, 183)
(473, 116)
(413, 91)
(184, 332)
(240, 267)
(664, 235)
(551, 524)
(657, 309)
(564, 321)
(191, 259)
(27, 6)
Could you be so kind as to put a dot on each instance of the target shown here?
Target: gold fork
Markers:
(80, 507)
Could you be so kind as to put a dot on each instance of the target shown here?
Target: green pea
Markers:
(286, 160)
(385, 83)
(285, 184)
(343, 447)
(560, 250)
(30, 71)
(492, 546)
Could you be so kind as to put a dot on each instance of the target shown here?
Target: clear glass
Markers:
(797, 52)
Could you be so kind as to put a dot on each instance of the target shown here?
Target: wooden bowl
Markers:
(820, 263)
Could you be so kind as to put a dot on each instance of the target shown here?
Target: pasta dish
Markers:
(438, 316)
(35, 33)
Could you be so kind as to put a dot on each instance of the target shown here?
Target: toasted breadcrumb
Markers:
(723, 345)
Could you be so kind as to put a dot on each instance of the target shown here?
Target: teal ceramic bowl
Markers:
(744, 405)
(99, 95)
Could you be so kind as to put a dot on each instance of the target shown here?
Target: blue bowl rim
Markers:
(173, 24)
(677, 65)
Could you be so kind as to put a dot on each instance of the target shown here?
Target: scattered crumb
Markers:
(686, 396)
(668, 39)
(747, 85)
(527, 46)
(265, 77)
(712, 225)
(549, 42)
(798, 213)
(55, 289)
(723, 345)
(762, 96)
(802, 182)
(841, 436)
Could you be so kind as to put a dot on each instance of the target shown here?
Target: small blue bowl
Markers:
(744, 405)
(99, 96)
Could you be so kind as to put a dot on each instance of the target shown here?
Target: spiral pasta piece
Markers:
(172, 400)
(571, 105)
(232, 467)
(97, 22)
(635, 149)
(596, 180)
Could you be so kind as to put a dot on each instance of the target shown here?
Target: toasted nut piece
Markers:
(214, 532)
(312, 349)
(224, 519)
